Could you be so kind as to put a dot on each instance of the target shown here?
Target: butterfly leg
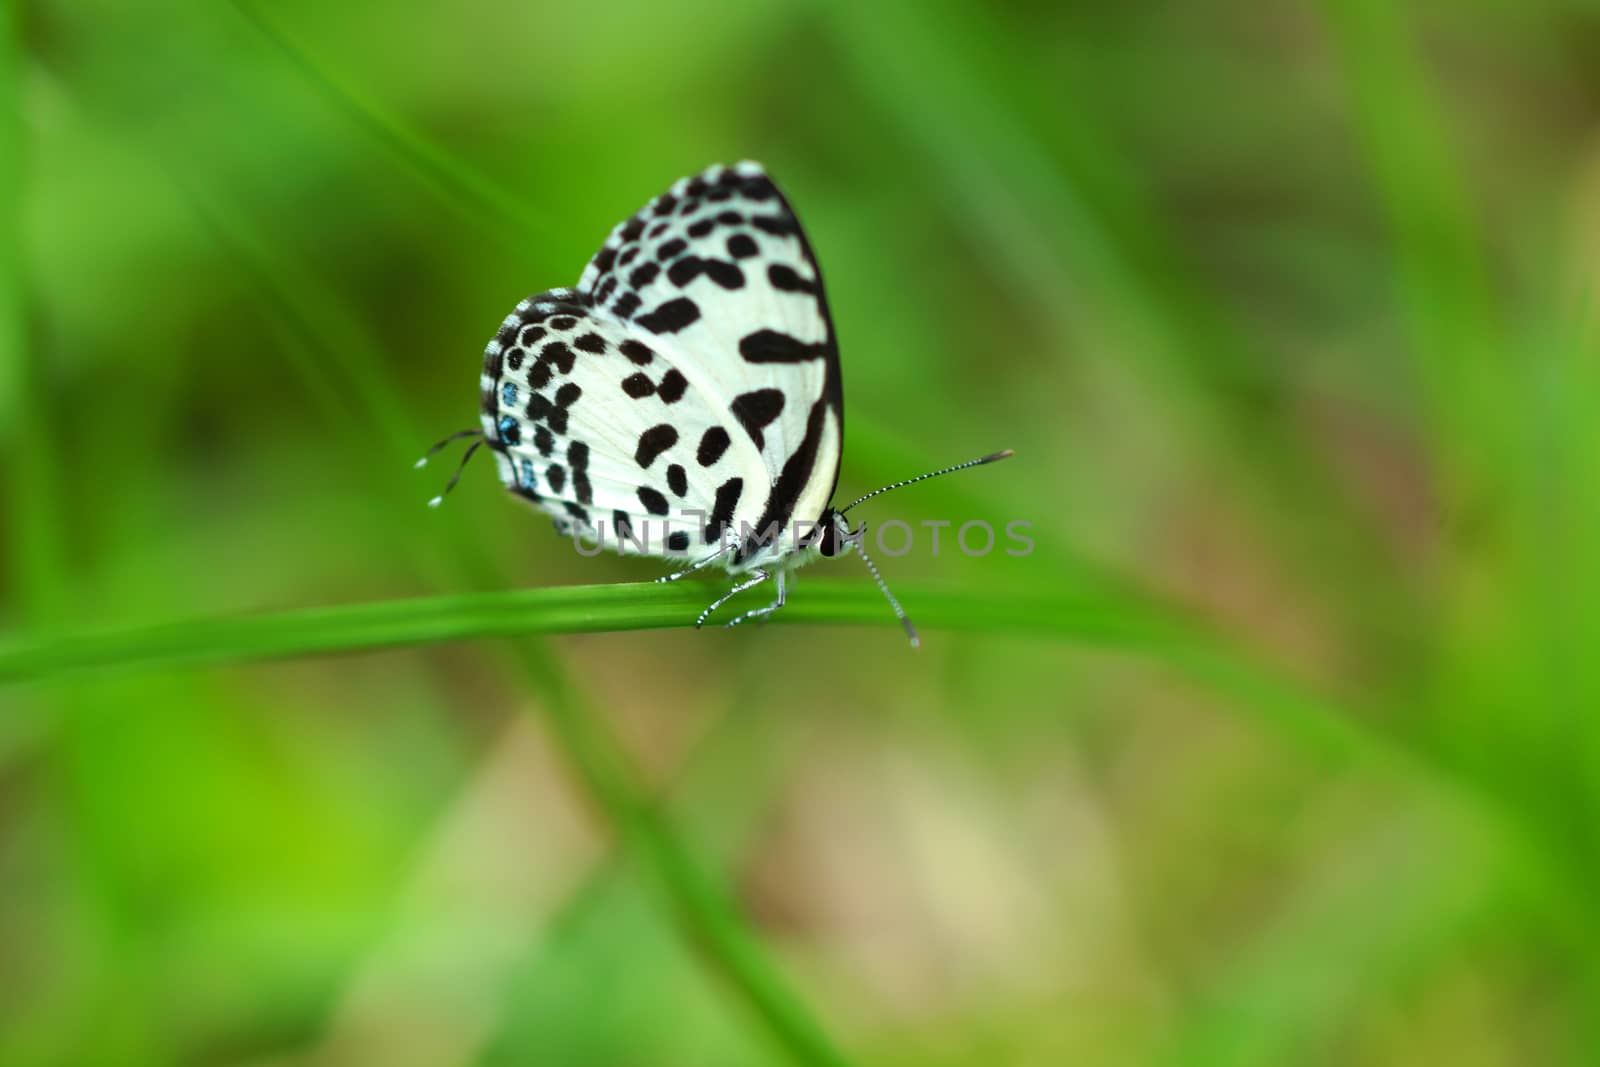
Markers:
(755, 579)
(702, 562)
(761, 613)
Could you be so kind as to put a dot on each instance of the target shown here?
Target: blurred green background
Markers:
(1285, 308)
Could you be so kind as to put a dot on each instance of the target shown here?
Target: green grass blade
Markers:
(1287, 708)
(516, 613)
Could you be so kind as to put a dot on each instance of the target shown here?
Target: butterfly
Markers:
(685, 397)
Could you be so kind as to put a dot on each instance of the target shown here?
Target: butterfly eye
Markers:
(828, 544)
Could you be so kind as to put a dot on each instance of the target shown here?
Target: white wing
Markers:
(693, 370)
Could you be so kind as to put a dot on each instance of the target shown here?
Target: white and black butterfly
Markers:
(687, 389)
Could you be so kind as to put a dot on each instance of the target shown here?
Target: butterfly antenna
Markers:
(993, 457)
(456, 477)
(434, 451)
(883, 587)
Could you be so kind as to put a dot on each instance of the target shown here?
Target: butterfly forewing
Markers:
(693, 370)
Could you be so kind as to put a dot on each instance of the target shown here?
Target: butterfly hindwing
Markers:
(693, 369)
(592, 424)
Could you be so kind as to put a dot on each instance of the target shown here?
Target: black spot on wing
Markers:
(558, 353)
(590, 342)
(626, 305)
(755, 410)
(785, 278)
(578, 461)
(758, 187)
(638, 386)
(728, 275)
(713, 443)
(677, 541)
(722, 511)
(742, 246)
(724, 274)
(643, 275)
(637, 352)
(653, 501)
(654, 441)
(677, 480)
(671, 317)
(777, 225)
(556, 476)
(672, 387)
(775, 346)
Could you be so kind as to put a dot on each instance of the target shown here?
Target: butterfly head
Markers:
(835, 537)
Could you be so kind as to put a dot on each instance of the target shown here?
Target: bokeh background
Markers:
(1285, 308)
